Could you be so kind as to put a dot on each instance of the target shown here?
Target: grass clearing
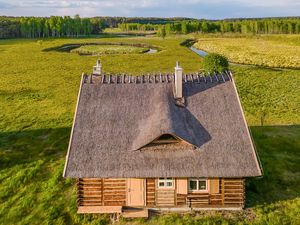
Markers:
(282, 51)
(109, 49)
(38, 93)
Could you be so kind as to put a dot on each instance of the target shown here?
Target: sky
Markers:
(207, 9)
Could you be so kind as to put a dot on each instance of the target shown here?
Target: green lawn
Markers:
(38, 92)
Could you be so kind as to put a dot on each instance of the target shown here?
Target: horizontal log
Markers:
(233, 186)
(89, 192)
(115, 203)
(90, 179)
(233, 179)
(114, 196)
(81, 197)
(90, 200)
(164, 204)
(233, 191)
(89, 204)
(234, 183)
(165, 200)
(114, 181)
(234, 194)
(114, 193)
(101, 209)
(198, 194)
(89, 189)
(135, 213)
(216, 202)
(197, 197)
(166, 196)
(121, 189)
(150, 197)
(89, 185)
(89, 182)
(114, 185)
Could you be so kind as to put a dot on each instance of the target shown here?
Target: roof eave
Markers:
(73, 125)
(257, 160)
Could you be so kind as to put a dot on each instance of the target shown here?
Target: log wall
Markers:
(101, 192)
(112, 192)
(150, 192)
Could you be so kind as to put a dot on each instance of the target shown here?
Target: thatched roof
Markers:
(117, 116)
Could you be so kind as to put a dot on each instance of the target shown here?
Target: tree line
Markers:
(57, 26)
(254, 26)
(54, 26)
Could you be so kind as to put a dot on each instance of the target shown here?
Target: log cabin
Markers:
(161, 142)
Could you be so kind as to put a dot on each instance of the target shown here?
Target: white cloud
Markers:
(160, 8)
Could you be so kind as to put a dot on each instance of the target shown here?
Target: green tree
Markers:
(52, 25)
(163, 32)
(215, 63)
(77, 25)
(184, 29)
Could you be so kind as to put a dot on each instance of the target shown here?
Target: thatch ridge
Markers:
(156, 78)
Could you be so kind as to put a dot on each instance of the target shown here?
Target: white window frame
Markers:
(165, 180)
(198, 179)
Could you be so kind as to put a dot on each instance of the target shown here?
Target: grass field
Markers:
(38, 92)
(271, 51)
(109, 49)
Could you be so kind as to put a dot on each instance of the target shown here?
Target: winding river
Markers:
(204, 53)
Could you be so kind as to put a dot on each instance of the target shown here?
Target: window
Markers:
(166, 139)
(198, 184)
(165, 182)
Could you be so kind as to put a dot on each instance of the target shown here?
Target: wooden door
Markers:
(181, 186)
(135, 192)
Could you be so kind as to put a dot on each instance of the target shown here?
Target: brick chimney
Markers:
(178, 81)
(97, 70)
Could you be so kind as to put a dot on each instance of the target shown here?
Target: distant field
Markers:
(109, 49)
(38, 92)
(119, 31)
(272, 51)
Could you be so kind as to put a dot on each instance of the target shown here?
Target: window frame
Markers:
(165, 180)
(161, 140)
(197, 179)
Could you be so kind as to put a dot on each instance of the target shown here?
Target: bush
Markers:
(213, 62)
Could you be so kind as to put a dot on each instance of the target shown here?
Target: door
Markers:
(135, 192)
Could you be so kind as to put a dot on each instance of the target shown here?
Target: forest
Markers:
(244, 26)
(57, 26)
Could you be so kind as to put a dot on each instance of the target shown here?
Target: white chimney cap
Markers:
(177, 65)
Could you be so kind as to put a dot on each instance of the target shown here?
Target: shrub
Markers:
(213, 62)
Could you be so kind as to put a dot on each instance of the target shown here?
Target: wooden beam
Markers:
(140, 213)
(223, 191)
(102, 191)
(99, 209)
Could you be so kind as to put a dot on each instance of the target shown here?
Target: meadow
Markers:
(108, 49)
(38, 92)
(282, 51)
